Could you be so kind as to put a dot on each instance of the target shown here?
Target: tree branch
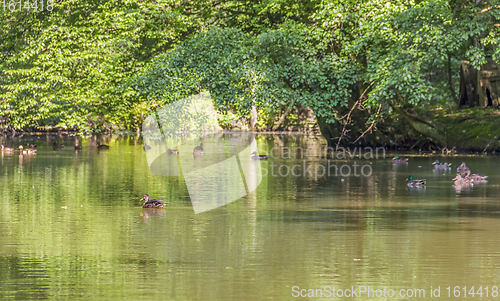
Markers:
(488, 9)
(370, 127)
(282, 118)
(348, 121)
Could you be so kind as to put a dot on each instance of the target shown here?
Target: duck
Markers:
(198, 151)
(7, 150)
(148, 203)
(462, 168)
(460, 180)
(56, 146)
(397, 159)
(26, 151)
(173, 151)
(255, 156)
(477, 178)
(439, 165)
(102, 146)
(414, 183)
(199, 148)
(77, 145)
(146, 147)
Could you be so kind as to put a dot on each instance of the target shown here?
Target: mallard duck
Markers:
(173, 151)
(199, 148)
(397, 159)
(77, 145)
(255, 156)
(414, 183)
(460, 180)
(462, 168)
(477, 178)
(151, 203)
(198, 151)
(26, 151)
(7, 149)
(439, 165)
(102, 146)
(56, 146)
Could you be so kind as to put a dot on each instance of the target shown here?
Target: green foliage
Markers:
(64, 67)
(269, 70)
(94, 65)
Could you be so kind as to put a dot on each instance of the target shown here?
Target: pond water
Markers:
(72, 226)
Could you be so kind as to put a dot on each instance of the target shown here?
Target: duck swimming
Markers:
(78, 146)
(397, 159)
(255, 156)
(198, 151)
(148, 203)
(462, 168)
(439, 165)
(478, 178)
(26, 151)
(102, 146)
(56, 146)
(173, 151)
(414, 183)
(8, 150)
(460, 180)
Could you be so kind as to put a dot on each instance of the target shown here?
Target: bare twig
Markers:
(348, 121)
(371, 125)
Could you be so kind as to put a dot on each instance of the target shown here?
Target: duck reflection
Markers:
(415, 188)
(148, 212)
(462, 188)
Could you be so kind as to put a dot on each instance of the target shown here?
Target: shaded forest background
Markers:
(371, 72)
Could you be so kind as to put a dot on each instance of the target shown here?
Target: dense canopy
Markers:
(94, 66)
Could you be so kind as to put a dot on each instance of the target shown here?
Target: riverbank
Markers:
(476, 130)
(470, 130)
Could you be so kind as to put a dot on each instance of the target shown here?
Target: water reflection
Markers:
(72, 220)
(149, 212)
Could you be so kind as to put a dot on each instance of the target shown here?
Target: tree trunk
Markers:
(331, 131)
(450, 81)
(469, 96)
(253, 117)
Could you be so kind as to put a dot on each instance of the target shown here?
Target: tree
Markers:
(64, 67)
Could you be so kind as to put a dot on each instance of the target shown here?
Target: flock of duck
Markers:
(197, 152)
(200, 152)
(30, 149)
(463, 179)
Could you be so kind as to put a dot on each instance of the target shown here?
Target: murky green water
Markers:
(71, 226)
